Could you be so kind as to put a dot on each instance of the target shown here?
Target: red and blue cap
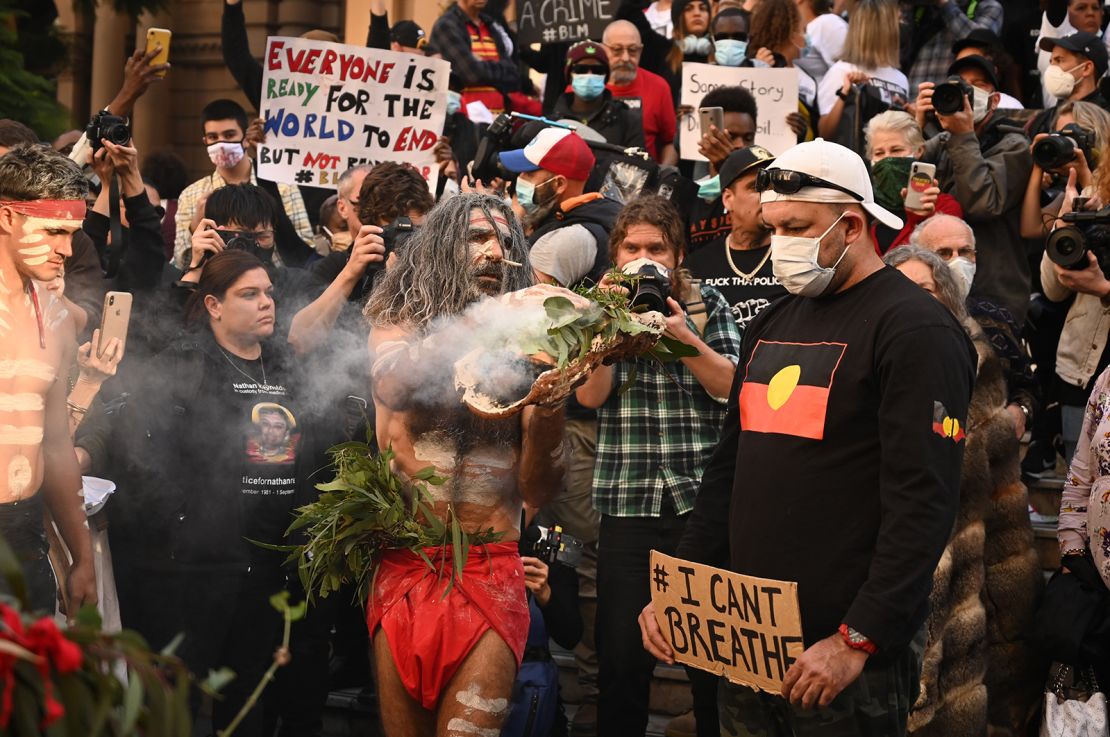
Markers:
(558, 150)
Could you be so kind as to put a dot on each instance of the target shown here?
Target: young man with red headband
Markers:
(42, 204)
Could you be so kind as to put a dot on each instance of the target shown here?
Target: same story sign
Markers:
(551, 21)
(747, 629)
(775, 92)
(330, 106)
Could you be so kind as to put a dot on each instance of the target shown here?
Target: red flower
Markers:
(44, 639)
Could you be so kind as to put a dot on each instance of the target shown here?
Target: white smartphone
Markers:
(921, 178)
(115, 319)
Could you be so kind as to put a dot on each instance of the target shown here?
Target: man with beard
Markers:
(446, 661)
(569, 227)
(640, 89)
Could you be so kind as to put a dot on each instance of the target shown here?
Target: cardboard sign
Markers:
(747, 629)
(331, 106)
(776, 96)
(549, 21)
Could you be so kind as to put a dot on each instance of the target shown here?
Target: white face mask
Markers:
(225, 154)
(964, 271)
(794, 261)
(980, 104)
(1059, 82)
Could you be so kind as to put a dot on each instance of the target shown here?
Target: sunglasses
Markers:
(785, 181)
(738, 36)
(588, 69)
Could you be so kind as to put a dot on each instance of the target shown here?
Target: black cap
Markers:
(741, 161)
(980, 38)
(978, 62)
(1081, 42)
(408, 33)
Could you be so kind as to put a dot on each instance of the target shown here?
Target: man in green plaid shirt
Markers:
(654, 440)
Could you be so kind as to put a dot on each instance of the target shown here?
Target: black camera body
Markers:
(552, 546)
(487, 161)
(109, 127)
(237, 241)
(651, 290)
(948, 97)
(1086, 232)
(1059, 147)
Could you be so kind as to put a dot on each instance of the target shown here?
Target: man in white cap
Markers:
(839, 465)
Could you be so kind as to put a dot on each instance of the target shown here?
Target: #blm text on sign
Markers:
(330, 106)
(551, 21)
(776, 96)
(747, 629)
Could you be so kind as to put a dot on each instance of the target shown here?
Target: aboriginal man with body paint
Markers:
(42, 203)
(445, 664)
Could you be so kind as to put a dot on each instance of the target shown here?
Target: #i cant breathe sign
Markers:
(747, 629)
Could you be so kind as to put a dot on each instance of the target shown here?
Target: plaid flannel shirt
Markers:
(451, 38)
(935, 56)
(291, 202)
(656, 437)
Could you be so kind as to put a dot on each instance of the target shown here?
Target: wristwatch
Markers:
(842, 94)
(856, 640)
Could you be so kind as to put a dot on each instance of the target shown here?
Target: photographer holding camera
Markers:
(983, 161)
(654, 441)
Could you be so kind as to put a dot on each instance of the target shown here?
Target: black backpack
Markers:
(863, 102)
(534, 704)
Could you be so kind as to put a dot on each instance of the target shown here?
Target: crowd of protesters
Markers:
(900, 324)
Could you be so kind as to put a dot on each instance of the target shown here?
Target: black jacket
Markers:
(598, 217)
(613, 119)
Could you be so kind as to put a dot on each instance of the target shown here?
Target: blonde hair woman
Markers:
(870, 55)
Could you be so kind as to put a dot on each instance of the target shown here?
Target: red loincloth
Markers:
(430, 635)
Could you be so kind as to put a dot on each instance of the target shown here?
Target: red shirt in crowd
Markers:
(484, 48)
(652, 95)
(946, 205)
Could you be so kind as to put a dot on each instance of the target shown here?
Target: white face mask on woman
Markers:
(794, 261)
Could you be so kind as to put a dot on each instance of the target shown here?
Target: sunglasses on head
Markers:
(588, 69)
(785, 181)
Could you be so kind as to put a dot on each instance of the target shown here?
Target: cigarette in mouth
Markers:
(510, 263)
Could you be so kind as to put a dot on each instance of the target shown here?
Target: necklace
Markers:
(746, 277)
(244, 373)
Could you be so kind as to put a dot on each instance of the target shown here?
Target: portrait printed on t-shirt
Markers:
(272, 437)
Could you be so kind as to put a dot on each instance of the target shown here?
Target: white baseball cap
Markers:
(834, 165)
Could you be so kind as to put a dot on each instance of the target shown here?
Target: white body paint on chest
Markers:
(20, 435)
(25, 402)
(19, 475)
(26, 368)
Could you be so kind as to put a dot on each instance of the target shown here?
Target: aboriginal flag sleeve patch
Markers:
(786, 388)
(947, 426)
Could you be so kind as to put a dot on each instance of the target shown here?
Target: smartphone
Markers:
(155, 36)
(114, 320)
(708, 116)
(921, 178)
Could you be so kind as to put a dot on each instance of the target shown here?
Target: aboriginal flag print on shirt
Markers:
(786, 388)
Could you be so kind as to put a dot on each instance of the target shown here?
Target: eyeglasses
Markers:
(737, 36)
(785, 181)
(622, 50)
(589, 69)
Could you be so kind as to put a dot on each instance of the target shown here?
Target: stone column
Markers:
(151, 118)
(110, 52)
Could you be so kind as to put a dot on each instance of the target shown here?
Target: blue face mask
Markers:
(588, 86)
(729, 52)
(709, 189)
(526, 194)
(454, 102)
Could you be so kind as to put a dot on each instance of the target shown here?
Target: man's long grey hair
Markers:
(433, 274)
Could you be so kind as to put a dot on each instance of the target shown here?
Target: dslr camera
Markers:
(487, 161)
(109, 127)
(552, 545)
(237, 241)
(1060, 146)
(1086, 232)
(652, 286)
(948, 97)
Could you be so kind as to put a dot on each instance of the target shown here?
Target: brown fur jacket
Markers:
(977, 669)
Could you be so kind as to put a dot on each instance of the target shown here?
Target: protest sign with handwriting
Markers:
(549, 21)
(331, 106)
(775, 92)
(747, 629)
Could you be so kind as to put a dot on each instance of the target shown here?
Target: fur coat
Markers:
(977, 670)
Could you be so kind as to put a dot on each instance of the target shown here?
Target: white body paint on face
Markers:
(20, 435)
(31, 225)
(35, 250)
(26, 368)
(471, 698)
(25, 402)
(32, 238)
(19, 475)
(461, 726)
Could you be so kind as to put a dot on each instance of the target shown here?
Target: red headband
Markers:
(54, 209)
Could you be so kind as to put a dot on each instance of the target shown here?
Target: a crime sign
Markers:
(747, 629)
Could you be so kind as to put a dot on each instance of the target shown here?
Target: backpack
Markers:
(534, 703)
(864, 102)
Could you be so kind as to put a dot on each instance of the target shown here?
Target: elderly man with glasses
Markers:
(639, 88)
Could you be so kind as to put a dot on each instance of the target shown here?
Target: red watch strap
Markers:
(856, 644)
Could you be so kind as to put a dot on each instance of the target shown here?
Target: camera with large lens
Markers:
(652, 286)
(551, 545)
(109, 127)
(1059, 147)
(487, 160)
(948, 97)
(235, 241)
(1086, 232)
